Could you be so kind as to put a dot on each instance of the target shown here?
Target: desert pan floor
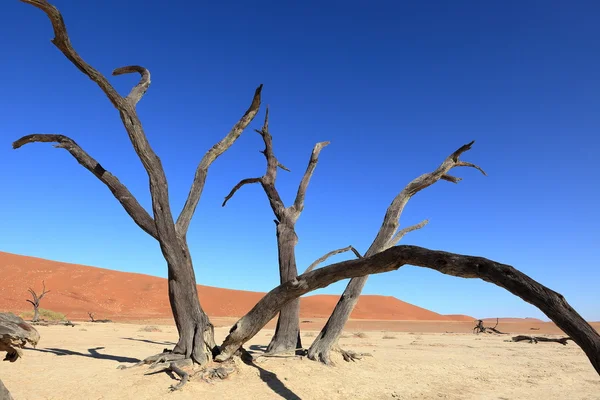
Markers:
(81, 363)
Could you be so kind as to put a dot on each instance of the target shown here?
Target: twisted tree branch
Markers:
(140, 89)
(63, 43)
(139, 215)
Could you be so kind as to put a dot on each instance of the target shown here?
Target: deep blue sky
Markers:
(395, 87)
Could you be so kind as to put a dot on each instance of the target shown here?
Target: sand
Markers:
(81, 363)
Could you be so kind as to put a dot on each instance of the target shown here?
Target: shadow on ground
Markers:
(150, 341)
(268, 377)
(93, 353)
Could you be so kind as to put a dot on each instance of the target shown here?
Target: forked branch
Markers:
(400, 234)
(267, 181)
(387, 236)
(139, 215)
(330, 254)
(37, 298)
(548, 301)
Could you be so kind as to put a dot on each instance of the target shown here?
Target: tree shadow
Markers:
(270, 378)
(150, 341)
(93, 353)
(257, 348)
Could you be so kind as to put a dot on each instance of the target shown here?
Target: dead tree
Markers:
(551, 303)
(101, 321)
(388, 236)
(196, 341)
(14, 335)
(35, 301)
(536, 339)
(287, 331)
(196, 338)
(479, 328)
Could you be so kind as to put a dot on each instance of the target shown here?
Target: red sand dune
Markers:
(76, 289)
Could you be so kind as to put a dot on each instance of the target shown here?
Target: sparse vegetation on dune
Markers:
(44, 314)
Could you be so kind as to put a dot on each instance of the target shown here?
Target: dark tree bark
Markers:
(196, 339)
(287, 331)
(551, 303)
(387, 237)
(35, 301)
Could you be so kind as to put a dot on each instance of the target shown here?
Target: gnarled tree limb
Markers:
(185, 217)
(551, 303)
(140, 89)
(535, 339)
(63, 43)
(135, 210)
(332, 253)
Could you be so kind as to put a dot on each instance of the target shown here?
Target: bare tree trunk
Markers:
(196, 337)
(387, 236)
(196, 341)
(287, 332)
(36, 314)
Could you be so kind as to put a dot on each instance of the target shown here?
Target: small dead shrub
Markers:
(360, 335)
(386, 336)
(150, 329)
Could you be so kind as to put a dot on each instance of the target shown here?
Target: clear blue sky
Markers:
(395, 87)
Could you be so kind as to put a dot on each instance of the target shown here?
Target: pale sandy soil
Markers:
(81, 363)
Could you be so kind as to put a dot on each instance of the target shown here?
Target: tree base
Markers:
(323, 355)
(185, 368)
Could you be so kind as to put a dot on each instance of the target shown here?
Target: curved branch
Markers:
(32, 303)
(185, 217)
(548, 301)
(400, 234)
(310, 169)
(391, 221)
(63, 43)
(238, 186)
(139, 215)
(331, 253)
(140, 89)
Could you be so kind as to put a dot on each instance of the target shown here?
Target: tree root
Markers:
(350, 355)
(184, 368)
(536, 339)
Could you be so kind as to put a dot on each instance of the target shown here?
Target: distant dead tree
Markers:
(479, 328)
(91, 315)
(196, 342)
(287, 331)
(35, 301)
(536, 339)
